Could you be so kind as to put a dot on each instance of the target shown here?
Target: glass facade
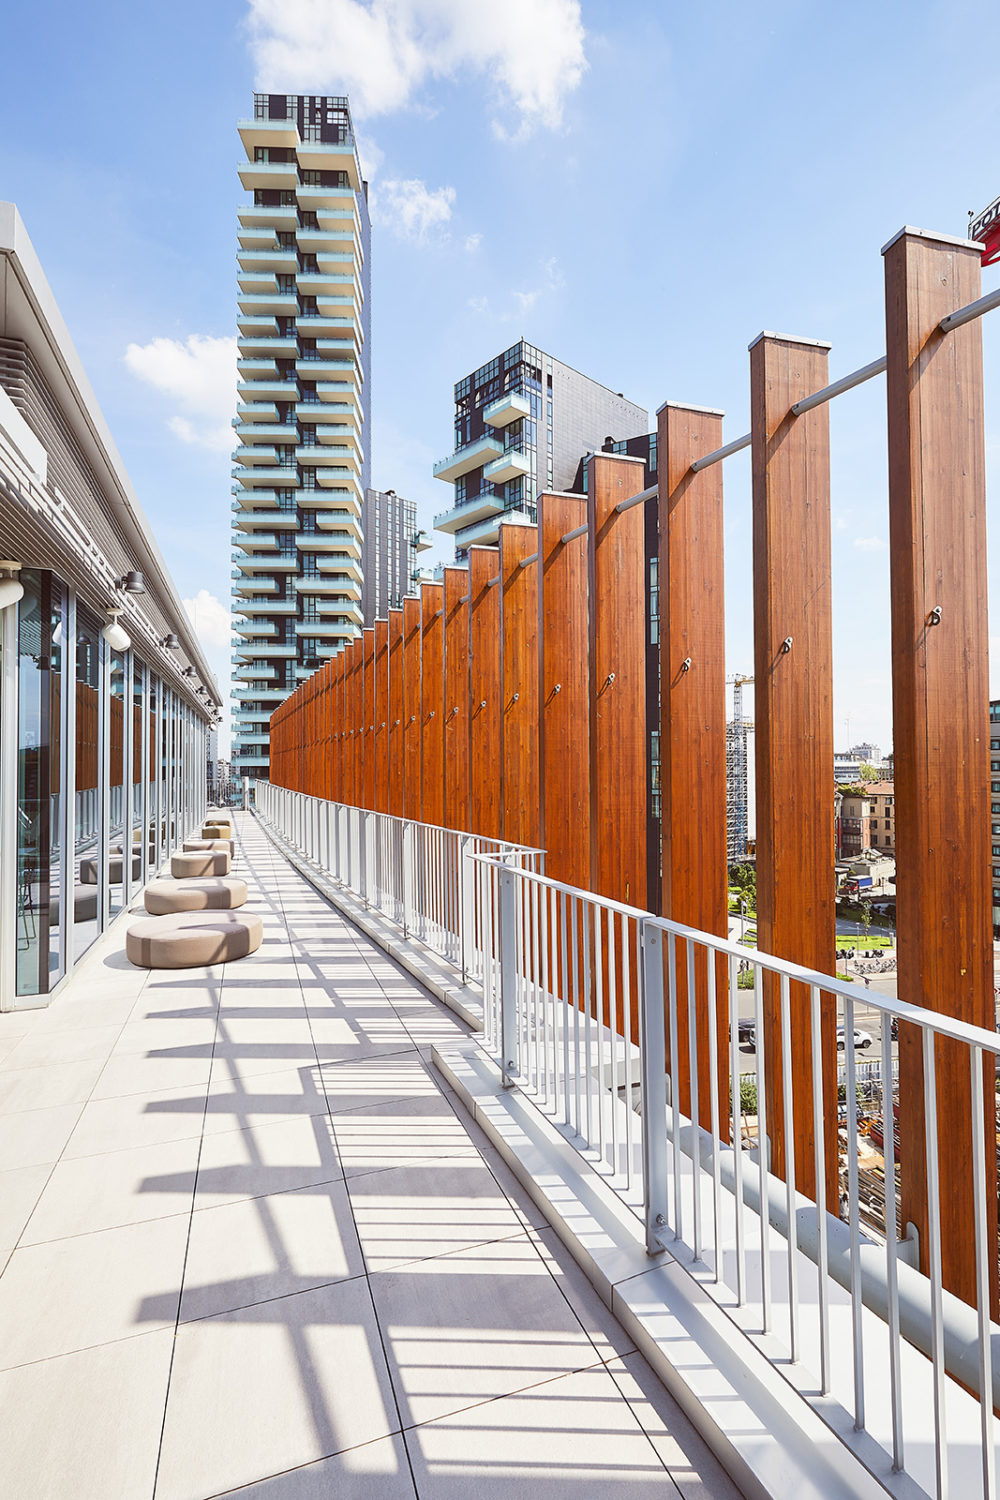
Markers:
(93, 820)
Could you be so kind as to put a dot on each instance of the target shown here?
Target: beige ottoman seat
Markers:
(163, 896)
(88, 869)
(216, 830)
(199, 863)
(193, 939)
(190, 846)
(84, 904)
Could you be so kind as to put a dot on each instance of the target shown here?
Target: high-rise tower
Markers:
(302, 423)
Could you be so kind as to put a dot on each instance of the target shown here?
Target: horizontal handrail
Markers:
(943, 1025)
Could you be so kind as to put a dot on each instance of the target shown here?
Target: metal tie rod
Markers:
(973, 310)
(846, 383)
(736, 446)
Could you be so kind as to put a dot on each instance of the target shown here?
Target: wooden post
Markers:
(456, 698)
(940, 694)
(382, 716)
(412, 748)
(485, 809)
(395, 716)
(693, 721)
(338, 726)
(432, 700)
(357, 721)
(793, 666)
(519, 684)
(616, 631)
(368, 718)
(564, 687)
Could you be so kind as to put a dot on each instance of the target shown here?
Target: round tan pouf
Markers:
(199, 863)
(163, 896)
(193, 939)
(191, 845)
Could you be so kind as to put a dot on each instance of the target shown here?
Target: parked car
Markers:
(862, 1039)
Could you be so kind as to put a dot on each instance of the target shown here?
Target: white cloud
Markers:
(381, 52)
(412, 210)
(552, 280)
(473, 241)
(478, 304)
(210, 618)
(198, 375)
(869, 543)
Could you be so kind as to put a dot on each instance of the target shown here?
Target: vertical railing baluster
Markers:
(653, 1079)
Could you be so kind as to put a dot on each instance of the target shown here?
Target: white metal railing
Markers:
(410, 872)
(584, 1008)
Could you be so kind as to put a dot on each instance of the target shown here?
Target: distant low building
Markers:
(855, 826)
(882, 795)
(846, 767)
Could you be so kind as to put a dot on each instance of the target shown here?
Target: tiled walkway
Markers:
(251, 1246)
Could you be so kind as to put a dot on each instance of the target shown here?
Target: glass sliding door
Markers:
(87, 861)
(122, 860)
(137, 778)
(39, 956)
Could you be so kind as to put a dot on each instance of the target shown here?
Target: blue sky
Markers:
(639, 188)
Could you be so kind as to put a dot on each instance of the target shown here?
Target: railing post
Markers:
(653, 1081)
(363, 852)
(466, 896)
(408, 878)
(508, 978)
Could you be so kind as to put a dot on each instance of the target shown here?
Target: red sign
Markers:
(985, 227)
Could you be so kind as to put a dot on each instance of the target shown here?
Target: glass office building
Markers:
(303, 419)
(106, 699)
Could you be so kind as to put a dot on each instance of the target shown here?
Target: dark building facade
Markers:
(523, 421)
(390, 544)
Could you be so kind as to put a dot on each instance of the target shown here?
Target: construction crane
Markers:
(736, 773)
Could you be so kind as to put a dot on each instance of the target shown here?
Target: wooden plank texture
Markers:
(412, 736)
(432, 700)
(694, 873)
(794, 719)
(519, 685)
(564, 720)
(368, 718)
(396, 737)
(456, 698)
(937, 534)
(382, 716)
(485, 809)
(616, 631)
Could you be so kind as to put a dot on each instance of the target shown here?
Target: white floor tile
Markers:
(85, 1425)
(91, 1289)
(272, 1387)
(90, 1193)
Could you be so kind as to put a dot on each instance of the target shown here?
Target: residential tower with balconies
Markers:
(302, 456)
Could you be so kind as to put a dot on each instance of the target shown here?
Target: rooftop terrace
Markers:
(251, 1244)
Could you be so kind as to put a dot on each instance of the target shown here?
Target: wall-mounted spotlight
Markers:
(131, 583)
(171, 641)
(114, 633)
(188, 672)
(200, 688)
(11, 587)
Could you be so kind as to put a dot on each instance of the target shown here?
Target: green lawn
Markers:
(863, 944)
